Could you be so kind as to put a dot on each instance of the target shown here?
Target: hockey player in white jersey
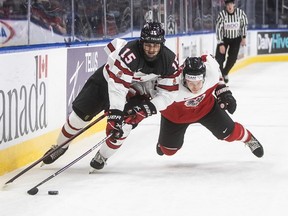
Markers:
(202, 99)
(112, 84)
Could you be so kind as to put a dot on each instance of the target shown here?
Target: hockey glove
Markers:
(225, 98)
(137, 113)
(115, 120)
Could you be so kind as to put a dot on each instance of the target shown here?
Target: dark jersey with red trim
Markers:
(126, 65)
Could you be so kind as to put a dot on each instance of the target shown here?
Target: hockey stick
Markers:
(58, 147)
(35, 189)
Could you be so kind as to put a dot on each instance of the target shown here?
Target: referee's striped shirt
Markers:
(231, 25)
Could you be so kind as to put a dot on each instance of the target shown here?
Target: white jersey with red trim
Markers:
(126, 66)
(189, 107)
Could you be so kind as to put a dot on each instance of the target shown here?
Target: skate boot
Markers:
(158, 150)
(98, 162)
(255, 147)
(55, 155)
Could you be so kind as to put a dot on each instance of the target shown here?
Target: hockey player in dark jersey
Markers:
(231, 30)
(196, 103)
(129, 66)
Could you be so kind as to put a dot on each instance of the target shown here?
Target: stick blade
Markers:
(33, 191)
(8, 182)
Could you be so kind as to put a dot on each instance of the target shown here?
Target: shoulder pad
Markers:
(114, 45)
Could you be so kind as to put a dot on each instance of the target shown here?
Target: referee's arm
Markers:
(220, 29)
(244, 24)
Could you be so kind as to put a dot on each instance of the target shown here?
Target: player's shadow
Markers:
(208, 169)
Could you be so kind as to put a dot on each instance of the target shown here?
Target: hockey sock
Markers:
(70, 128)
(109, 148)
(239, 133)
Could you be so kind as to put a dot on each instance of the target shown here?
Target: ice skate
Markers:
(158, 150)
(255, 147)
(55, 155)
(97, 163)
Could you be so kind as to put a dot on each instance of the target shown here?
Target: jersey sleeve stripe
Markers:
(174, 75)
(117, 79)
(111, 47)
(169, 88)
(171, 82)
(124, 70)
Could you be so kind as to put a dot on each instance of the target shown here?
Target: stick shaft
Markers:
(71, 163)
(58, 147)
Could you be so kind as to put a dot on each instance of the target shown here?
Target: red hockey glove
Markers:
(225, 98)
(137, 113)
(115, 120)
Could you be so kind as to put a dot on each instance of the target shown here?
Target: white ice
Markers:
(206, 177)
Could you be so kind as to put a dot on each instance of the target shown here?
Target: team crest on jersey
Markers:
(195, 101)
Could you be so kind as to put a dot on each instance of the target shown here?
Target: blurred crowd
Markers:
(97, 19)
(88, 15)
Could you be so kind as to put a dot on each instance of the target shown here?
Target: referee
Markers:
(231, 29)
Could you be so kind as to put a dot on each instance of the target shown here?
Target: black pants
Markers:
(93, 97)
(217, 121)
(233, 46)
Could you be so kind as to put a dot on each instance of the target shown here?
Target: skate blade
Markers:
(92, 170)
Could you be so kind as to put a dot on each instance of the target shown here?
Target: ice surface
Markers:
(206, 177)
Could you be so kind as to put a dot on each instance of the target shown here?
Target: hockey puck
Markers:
(53, 192)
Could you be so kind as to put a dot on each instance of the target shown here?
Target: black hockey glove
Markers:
(137, 113)
(115, 120)
(225, 98)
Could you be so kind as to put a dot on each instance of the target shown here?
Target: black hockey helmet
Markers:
(194, 69)
(228, 1)
(152, 32)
